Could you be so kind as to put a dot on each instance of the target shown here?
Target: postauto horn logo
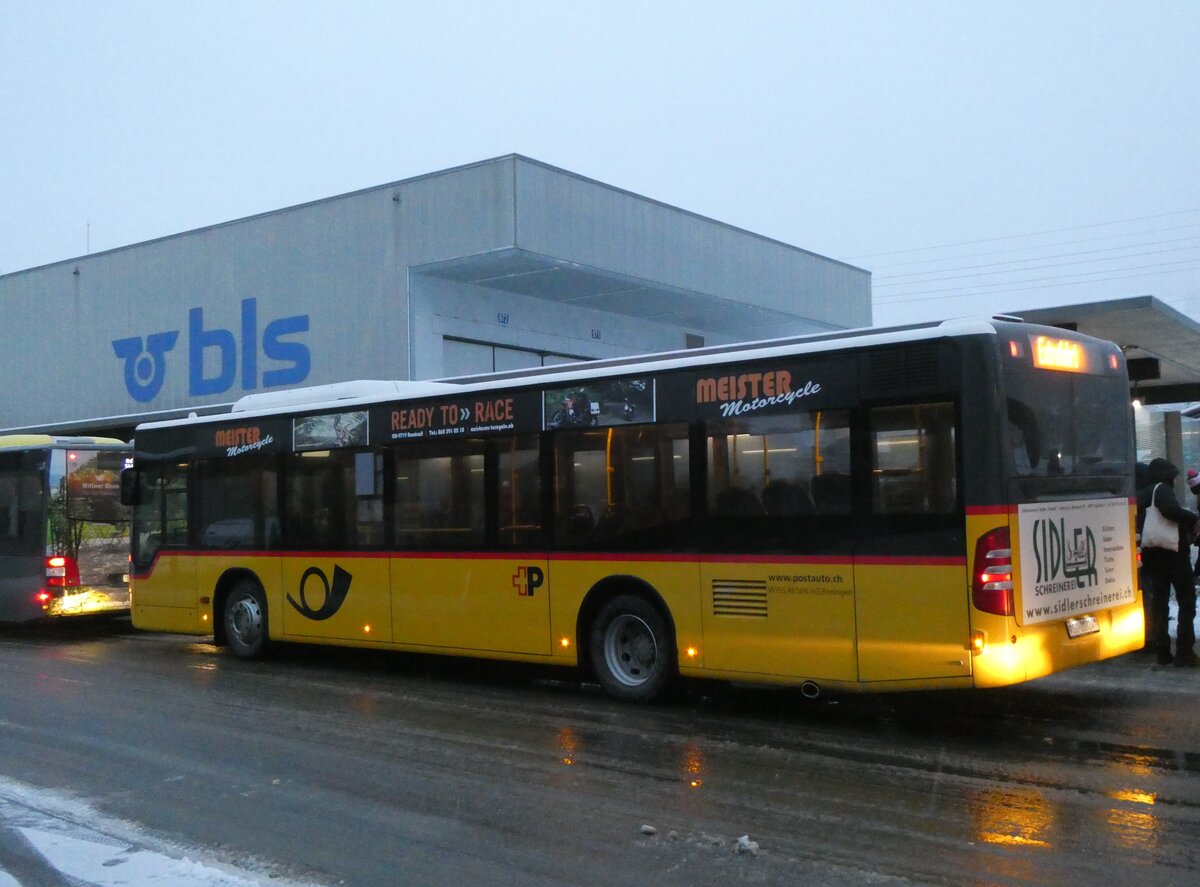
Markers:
(146, 359)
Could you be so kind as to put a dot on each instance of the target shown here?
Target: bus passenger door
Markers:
(164, 596)
(910, 571)
(450, 588)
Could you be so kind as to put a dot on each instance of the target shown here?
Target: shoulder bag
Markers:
(1157, 531)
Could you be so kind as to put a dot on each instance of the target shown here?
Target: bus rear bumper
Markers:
(1039, 650)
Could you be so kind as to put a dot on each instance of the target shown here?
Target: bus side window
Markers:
(619, 488)
(21, 479)
(769, 476)
(161, 515)
(913, 462)
(438, 495)
(518, 499)
(175, 510)
(238, 502)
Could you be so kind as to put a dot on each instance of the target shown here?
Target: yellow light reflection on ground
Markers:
(1137, 828)
(1134, 828)
(568, 745)
(1133, 796)
(1137, 764)
(1014, 840)
(692, 765)
(1020, 818)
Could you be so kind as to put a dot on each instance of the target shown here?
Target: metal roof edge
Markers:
(263, 215)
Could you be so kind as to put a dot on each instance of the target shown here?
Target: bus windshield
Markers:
(1065, 424)
(86, 522)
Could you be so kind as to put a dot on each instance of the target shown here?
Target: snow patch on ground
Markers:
(104, 864)
(100, 851)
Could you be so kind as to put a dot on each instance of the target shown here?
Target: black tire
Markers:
(632, 650)
(245, 620)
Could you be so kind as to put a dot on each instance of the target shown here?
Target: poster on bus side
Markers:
(1075, 558)
(599, 403)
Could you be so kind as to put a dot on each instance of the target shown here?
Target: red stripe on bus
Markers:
(836, 559)
(1011, 509)
(990, 509)
(628, 557)
(891, 561)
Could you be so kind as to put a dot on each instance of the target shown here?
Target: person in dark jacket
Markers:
(1165, 568)
(1193, 482)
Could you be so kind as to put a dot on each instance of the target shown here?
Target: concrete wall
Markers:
(444, 308)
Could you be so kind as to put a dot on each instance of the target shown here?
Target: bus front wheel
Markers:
(631, 650)
(246, 620)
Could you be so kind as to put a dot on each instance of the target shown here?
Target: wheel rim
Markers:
(245, 621)
(630, 650)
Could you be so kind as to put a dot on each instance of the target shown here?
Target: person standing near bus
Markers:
(1166, 568)
(1141, 477)
(1193, 482)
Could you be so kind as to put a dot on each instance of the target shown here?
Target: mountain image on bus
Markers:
(941, 505)
(64, 534)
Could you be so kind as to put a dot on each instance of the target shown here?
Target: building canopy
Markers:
(1161, 345)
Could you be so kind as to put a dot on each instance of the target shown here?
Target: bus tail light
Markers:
(992, 583)
(62, 572)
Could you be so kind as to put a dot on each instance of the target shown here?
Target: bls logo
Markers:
(144, 365)
(333, 596)
(527, 580)
(145, 361)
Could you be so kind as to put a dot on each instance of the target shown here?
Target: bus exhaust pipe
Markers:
(810, 689)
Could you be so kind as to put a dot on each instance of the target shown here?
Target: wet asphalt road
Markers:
(362, 768)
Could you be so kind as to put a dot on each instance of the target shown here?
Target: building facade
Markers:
(501, 264)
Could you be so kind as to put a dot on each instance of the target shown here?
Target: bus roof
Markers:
(46, 441)
(368, 392)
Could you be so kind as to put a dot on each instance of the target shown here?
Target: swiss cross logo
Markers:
(527, 580)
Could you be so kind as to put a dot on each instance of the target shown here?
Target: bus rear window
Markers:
(93, 486)
(1062, 424)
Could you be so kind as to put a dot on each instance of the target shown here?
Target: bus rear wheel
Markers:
(632, 651)
(245, 620)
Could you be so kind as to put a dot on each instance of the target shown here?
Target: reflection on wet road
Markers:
(354, 766)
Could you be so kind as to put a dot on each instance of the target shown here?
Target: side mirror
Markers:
(129, 486)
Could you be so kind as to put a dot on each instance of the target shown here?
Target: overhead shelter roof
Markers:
(1161, 345)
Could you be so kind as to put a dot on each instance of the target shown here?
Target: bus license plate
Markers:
(1083, 625)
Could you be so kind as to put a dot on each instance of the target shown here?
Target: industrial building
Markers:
(501, 264)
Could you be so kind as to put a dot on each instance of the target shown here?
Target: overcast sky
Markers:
(975, 156)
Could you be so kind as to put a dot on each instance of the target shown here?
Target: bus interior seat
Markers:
(831, 493)
(580, 521)
(781, 498)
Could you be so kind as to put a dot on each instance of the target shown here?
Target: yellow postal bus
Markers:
(939, 505)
